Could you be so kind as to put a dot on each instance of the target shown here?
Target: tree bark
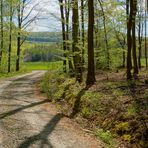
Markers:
(2, 32)
(146, 61)
(63, 33)
(67, 14)
(129, 38)
(10, 38)
(83, 31)
(91, 64)
(75, 37)
(134, 38)
(105, 35)
(18, 38)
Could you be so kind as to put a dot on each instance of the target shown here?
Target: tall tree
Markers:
(75, 37)
(105, 35)
(10, 34)
(140, 34)
(134, 38)
(129, 38)
(24, 20)
(146, 60)
(61, 2)
(82, 30)
(91, 64)
(2, 32)
(67, 23)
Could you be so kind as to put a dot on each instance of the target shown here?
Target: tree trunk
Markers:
(83, 31)
(2, 32)
(129, 38)
(63, 33)
(10, 39)
(75, 35)
(91, 64)
(18, 52)
(146, 61)
(134, 38)
(140, 37)
(67, 14)
(105, 35)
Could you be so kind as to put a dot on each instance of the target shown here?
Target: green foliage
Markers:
(127, 138)
(51, 84)
(38, 52)
(106, 136)
(122, 127)
(87, 112)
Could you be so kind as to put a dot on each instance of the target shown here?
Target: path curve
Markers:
(29, 120)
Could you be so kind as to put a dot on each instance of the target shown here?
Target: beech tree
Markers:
(91, 64)
(2, 32)
(146, 8)
(11, 12)
(75, 38)
(61, 2)
(129, 38)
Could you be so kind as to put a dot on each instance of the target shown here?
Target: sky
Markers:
(49, 16)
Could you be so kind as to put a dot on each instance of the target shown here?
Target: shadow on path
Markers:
(12, 112)
(42, 137)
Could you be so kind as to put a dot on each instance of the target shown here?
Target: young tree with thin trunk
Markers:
(146, 60)
(91, 64)
(67, 24)
(10, 35)
(140, 34)
(105, 35)
(135, 64)
(83, 31)
(2, 31)
(61, 2)
(129, 10)
(23, 21)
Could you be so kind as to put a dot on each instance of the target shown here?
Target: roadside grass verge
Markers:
(7, 75)
(27, 67)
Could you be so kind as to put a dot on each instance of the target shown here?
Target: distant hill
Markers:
(44, 37)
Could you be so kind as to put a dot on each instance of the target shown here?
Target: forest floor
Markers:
(114, 109)
(28, 119)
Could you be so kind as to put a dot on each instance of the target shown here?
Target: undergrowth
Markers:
(112, 108)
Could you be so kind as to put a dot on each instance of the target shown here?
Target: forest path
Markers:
(29, 120)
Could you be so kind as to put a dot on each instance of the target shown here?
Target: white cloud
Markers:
(49, 15)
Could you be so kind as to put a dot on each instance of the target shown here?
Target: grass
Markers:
(42, 65)
(7, 75)
(30, 66)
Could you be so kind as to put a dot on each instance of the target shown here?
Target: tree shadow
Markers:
(43, 135)
(141, 104)
(77, 103)
(65, 89)
(12, 112)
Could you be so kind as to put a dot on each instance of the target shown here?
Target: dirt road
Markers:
(29, 120)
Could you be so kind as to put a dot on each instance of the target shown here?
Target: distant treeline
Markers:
(40, 52)
(44, 37)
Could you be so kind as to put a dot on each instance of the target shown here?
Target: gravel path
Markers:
(29, 120)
